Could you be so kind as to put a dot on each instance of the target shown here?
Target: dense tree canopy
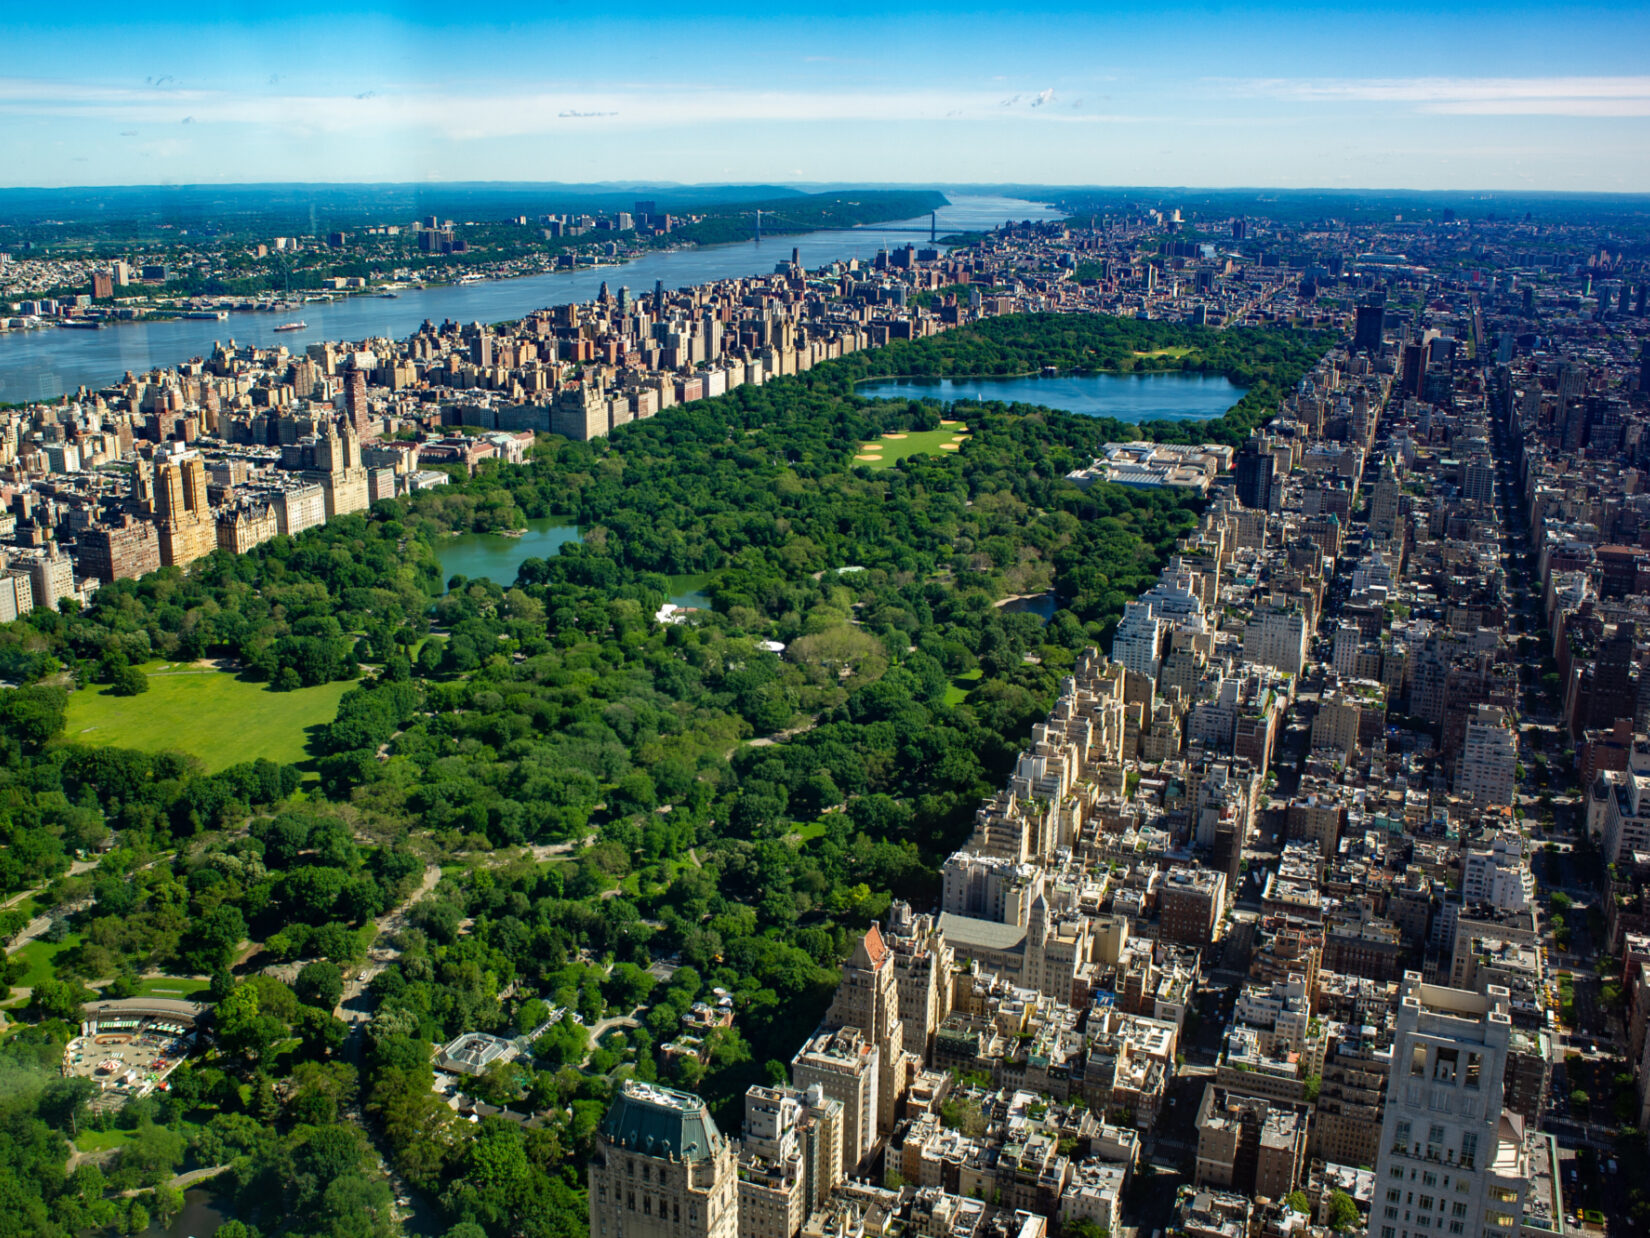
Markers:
(719, 804)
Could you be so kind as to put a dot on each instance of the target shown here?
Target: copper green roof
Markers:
(659, 1121)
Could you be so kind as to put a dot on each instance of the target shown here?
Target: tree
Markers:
(1296, 1201)
(320, 984)
(565, 1044)
(1343, 1211)
(963, 1114)
(242, 1027)
(59, 999)
(63, 1100)
(214, 938)
(128, 681)
(1579, 1099)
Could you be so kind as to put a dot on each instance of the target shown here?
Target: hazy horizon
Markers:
(1481, 96)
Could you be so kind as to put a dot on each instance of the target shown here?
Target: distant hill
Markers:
(304, 208)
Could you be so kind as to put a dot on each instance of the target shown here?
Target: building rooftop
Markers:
(660, 1121)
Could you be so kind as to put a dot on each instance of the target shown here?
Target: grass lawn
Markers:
(807, 833)
(956, 693)
(1179, 350)
(217, 717)
(884, 452)
(39, 955)
(178, 987)
(102, 1141)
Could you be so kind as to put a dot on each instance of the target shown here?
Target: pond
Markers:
(1172, 396)
(1043, 605)
(498, 556)
(199, 1218)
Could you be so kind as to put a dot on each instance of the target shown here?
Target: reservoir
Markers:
(46, 363)
(1172, 396)
(497, 557)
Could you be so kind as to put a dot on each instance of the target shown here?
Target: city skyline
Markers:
(1481, 97)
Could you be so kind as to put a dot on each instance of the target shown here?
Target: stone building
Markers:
(661, 1169)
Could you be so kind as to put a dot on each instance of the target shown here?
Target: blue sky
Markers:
(1507, 95)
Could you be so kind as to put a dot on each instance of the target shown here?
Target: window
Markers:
(1400, 1135)
(1429, 1178)
(1426, 1202)
(1444, 1064)
(1455, 1227)
(1392, 1195)
(1397, 1171)
(1418, 1060)
(1435, 1141)
(1475, 1064)
(1392, 1214)
(1460, 1210)
(1469, 1150)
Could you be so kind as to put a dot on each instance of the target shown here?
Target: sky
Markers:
(1471, 95)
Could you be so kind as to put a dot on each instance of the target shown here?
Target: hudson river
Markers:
(43, 364)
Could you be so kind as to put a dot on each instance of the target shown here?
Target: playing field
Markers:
(884, 452)
(217, 717)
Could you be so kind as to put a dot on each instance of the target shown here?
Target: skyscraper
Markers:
(1452, 1162)
(1254, 476)
(1370, 329)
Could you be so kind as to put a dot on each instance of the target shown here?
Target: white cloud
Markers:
(1475, 96)
(504, 114)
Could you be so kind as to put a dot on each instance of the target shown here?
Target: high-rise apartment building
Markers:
(1138, 642)
(1255, 469)
(661, 1169)
(868, 999)
(188, 530)
(791, 1159)
(844, 1065)
(1452, 1162)
(1371, 327)
(1488, 763)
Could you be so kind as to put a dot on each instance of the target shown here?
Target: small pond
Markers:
(498, 556)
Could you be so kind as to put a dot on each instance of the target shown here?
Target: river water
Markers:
(40, 365)
(1134, 398)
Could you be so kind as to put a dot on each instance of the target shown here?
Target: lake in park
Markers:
(497, 557)
(1172, 396)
